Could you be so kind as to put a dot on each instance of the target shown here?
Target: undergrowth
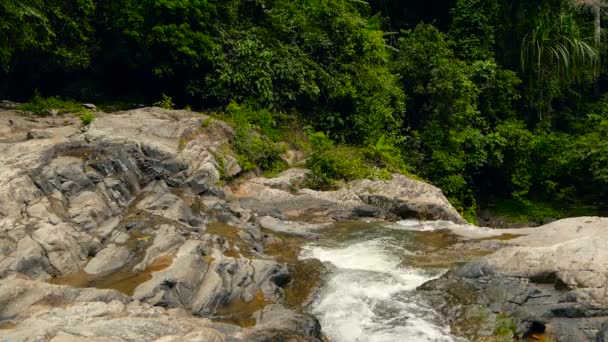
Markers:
(41, 106)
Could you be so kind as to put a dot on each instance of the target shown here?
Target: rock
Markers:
(175, 286)
(6, 104)
(113, 321)
(244, 280)
(166, 242)
(407, 198)
(289, 180)
(128, 196)
(291, 227)
(89, 106)
(21, 297)
(275, 322)
(107, 260)
(556, 275)
(602, 335)
(161, 202)
(39, 134)
(51, 112)
(231, 166)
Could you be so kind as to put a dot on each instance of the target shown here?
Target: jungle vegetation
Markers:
(494, 101)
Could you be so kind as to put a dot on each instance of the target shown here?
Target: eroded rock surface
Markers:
(132, 206)
(554, 277)
(398, 198)
(132, 202)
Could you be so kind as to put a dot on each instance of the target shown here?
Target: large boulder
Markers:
(555, 277)
(407, 198)
(399, 197)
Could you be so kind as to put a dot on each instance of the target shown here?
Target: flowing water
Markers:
(369, 294)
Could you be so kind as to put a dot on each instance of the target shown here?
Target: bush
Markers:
(166, 102)
(41, 106)
(254, 149)
(330, 163)
(87, 117)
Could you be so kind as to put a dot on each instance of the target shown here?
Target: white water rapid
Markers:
(369, 295)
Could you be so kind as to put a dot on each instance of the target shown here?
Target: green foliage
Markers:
(473, 28)
(59, 33)
(492, 101)
(166, 102)
(329, 163)
(505, 328)
(41, 106)
(86, 117)
(254, 150)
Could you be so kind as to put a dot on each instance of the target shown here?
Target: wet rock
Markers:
(555, 276)
(291, 227)
(276, 323)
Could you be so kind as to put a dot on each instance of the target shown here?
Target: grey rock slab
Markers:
(556, 274)
(21, 297)
(161, 202)
(292, 227)
(276, 322)
(108, 260)
(407, 198)
(176, 285)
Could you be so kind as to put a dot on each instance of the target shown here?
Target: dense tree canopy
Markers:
(489, 99)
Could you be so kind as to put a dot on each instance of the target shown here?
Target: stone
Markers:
(51, 112)
(89, 106)
(275, 322)
(292, 227)
(407, 198)
(39, 134)
(555, 274)
(108, 260)
(161, 202)
(231, 166)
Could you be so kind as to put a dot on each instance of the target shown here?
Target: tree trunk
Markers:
(597, 14)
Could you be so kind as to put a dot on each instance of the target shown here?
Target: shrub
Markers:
(329, 163)
(87, 117)
(253, 149)
(40, 105)
(166, 102)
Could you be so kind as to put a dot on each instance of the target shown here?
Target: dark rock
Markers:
(276, 323)
(602, 335)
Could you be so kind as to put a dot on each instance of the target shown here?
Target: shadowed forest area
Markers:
(500, 103)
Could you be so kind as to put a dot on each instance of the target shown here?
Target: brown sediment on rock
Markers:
(238, 247)
(124, 280)
(240, 312)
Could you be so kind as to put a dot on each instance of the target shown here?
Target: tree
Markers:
(595, 6)
(556, 50)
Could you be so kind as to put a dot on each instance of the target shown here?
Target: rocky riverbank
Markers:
(123, 230)
(133, 205)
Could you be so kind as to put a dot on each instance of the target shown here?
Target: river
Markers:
(369, 294)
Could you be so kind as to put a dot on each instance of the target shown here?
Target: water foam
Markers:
(369, 297)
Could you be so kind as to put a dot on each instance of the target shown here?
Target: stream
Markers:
(369, 294)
